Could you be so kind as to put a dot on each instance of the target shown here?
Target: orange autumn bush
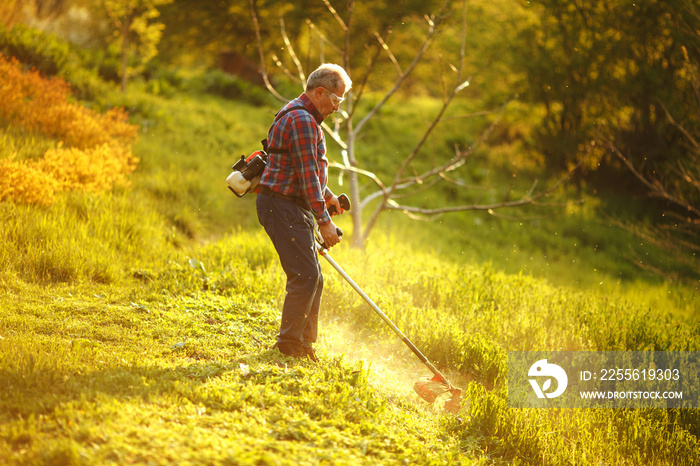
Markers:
(25, 183)
(94, 150)
(95, 169)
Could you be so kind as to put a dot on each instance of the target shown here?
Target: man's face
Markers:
(329, 100)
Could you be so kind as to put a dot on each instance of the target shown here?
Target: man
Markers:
(293, 193)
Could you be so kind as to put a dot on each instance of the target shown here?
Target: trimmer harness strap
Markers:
(280, 114)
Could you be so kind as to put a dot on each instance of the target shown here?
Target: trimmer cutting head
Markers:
(428, 389)
(431, 389)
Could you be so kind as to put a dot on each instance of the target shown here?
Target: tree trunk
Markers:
(126, 25)
(356, 211)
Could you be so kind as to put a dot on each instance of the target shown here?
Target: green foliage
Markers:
(598, 81)
(106, 232)
(35, 49)
(52, 56)
(185, 170)
(221, 84)
(482, 315)
(22, 143)
(137, 32)
(124, 372)
(174, 364)
(229, 27)
(553, 437)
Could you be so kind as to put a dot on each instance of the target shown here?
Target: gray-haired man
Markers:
(293, 194)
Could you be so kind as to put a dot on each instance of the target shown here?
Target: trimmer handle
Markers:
(320, 241)
(344, 204)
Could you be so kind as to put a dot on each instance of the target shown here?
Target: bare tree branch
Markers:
(358, 89)
(655, 186)
(335, 135)
(678, 232)
(323, 37)
(692, 140)
(402, 186)
(288, 43)
(285, 70)
(335, 15)
(460, 157)
(529, 198)
(404, 75)
(512, 218)
(263, 70)
(366, 173)
(389, 53)
(461, 184)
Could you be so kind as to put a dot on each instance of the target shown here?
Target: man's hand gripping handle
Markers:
(344, 205)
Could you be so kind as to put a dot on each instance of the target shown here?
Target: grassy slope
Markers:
(167, 361)
(159, 370)
(162, 370)
(159, 378)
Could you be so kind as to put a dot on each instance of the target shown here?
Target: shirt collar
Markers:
(311, 107)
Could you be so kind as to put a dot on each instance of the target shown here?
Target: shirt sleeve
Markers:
(304, 150)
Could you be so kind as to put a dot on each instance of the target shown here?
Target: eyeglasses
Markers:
(335, 100)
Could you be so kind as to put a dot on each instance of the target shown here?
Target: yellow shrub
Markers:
(25, 97)
(23, 183)
(94, 150)
(94, 169)
(80, 127)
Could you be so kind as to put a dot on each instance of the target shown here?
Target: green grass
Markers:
(96, 374)
(21, 144)
(187, 148)
(82, 237)
(136, 324)
(174, 366)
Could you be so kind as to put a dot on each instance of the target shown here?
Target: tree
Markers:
(13, 11)
(377, 54)
(592, 75)
(633, 89)
(198, 32)
(135, 17)
(678, 231)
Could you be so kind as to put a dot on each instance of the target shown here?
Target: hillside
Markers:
(173, 366)
(137, 318)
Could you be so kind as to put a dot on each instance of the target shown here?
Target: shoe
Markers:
(291, 349)
(310, 353)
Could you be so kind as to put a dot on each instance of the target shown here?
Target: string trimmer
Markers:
(427, 388)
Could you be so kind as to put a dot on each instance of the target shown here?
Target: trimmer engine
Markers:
(246, 173)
